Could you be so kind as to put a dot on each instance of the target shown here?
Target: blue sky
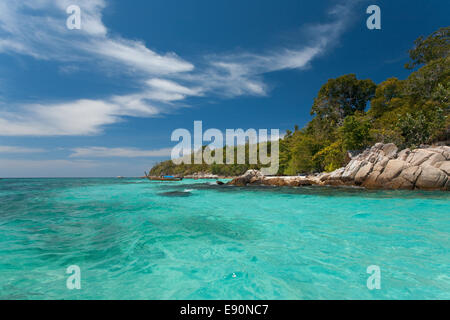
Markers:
(104, 100)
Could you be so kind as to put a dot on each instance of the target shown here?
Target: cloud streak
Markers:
(37, 29)
(15, 149)
(242, 73)
(103, 152)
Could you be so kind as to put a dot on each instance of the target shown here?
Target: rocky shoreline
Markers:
(379, 167)
(205, 176)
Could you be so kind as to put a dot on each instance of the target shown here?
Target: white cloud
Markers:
(83, 117)
(15, 149)
(37, 28)
(172, 87)
(102, 152)
(136, 55)
(230, 78)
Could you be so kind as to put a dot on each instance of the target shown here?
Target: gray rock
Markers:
(444, 166)
(419, 156)
(392, 170)
(383, 167)
(399, 183)
(351, 170)
(363, 172)
(431, 178)
(337, 174)
(437, 157)
(390, 150)
(251, 176)
(411, 174)
(403, 155)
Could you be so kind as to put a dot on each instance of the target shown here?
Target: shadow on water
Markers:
(181, 194)
(207, 226)
(176, 228)
(74, 242)
(16, 293)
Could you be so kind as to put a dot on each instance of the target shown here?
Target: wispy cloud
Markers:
(103, 152)
(81, 117)
(242, 73)
(37, 29)
(15, 149)
(55, 163)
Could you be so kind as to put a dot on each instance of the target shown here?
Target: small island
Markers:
(394, 135)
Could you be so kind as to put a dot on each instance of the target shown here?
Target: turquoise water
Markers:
(135, 239)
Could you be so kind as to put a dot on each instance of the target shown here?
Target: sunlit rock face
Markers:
(379, 167)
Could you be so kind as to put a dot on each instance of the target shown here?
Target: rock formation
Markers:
(380, 167)
(201, 175)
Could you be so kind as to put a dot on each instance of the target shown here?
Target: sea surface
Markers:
(136, 239)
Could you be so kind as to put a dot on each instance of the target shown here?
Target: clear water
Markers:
(135, 239)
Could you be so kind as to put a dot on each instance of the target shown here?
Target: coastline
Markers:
(380, 167)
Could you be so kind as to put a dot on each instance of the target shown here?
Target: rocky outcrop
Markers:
(250, 177)
(380, 167)
(383, 167)
(255, 177)
(201, 175)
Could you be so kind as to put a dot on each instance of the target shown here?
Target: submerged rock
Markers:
(379, 167)
(175, 194)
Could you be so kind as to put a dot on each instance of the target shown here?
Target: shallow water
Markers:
(136, 239)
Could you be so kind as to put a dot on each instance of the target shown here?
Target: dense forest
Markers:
(350, 114)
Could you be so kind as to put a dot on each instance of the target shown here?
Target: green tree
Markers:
(303, 150)
(331, 157)
(388, 95)
(355, 133)
(342, 97)
(435, 46)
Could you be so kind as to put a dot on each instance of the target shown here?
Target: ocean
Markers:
(136, 239)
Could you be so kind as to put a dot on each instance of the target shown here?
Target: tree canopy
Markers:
(342, 97)
(435, 46)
